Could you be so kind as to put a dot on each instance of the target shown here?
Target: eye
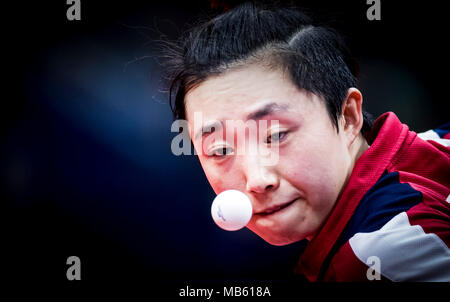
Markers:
(276, 137)
(220, 152)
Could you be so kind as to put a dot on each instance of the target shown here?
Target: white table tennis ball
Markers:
(231, 210)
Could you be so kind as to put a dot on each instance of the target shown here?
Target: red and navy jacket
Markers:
(396, 207)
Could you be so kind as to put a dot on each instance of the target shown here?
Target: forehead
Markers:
(240, 91)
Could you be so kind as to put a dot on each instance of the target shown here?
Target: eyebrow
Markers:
(257, 114)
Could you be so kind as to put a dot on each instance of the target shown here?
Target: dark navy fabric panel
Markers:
(387, 198)
(442, 130)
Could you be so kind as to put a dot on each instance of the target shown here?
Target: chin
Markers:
(278, 243)
(279, 240)
(281, 234)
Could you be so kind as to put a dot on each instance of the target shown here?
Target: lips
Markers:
(275, 208)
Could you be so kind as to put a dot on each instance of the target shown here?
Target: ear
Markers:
(352, 115)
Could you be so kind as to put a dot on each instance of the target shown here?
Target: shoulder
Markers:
(412, 246)
(402, 224)
(394, 208)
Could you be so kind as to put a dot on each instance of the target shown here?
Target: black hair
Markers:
(314, 56)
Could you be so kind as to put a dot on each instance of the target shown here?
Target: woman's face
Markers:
(293, 195)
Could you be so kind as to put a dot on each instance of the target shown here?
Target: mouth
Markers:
(275, 208)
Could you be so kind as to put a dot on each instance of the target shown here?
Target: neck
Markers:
(358, 147)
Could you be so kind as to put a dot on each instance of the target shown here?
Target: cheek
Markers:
(316, 169)
(212, 175)
(221, 180)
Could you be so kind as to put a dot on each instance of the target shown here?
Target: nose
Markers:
(260, 178)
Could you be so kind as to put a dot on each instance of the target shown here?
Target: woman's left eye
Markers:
(276, 137)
